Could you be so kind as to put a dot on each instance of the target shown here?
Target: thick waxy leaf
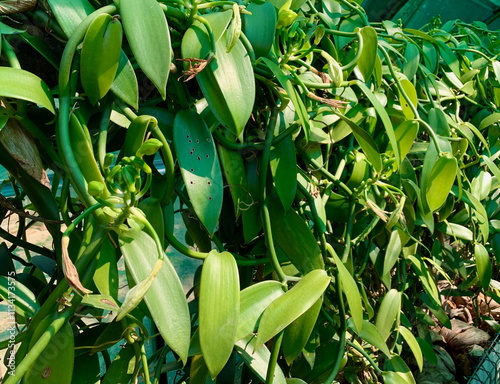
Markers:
(55, 364)
(136, 134)
(227, 82)
(388, 313)
(371, 334)
(366, 142)
(366, 62)
(200, 166)
(165, 299)
(483, 265)
(122, 367)
(440, 181)
(257, 359)
(413, 344)
(21, 84)
(18, 295)
(283, 165)
(411, 92)
(106, 274)
(145, 25)
(437, 120)
(406, 132)
(351, 292)
(234, 173)
(260, 27)
(100, 56)
(125, 84)
(87, 369)
(288, 307)
(70, 13)
(253, 301)
(412, 56)
(297, 334)
(425, 275)
(293, 236)
(218, 309)
(391, 256)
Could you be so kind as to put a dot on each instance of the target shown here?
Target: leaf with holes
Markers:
(199, 166)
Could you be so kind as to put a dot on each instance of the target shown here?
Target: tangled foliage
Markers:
(329, 173)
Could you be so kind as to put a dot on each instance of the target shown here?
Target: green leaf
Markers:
(283, 163)
(257, 359)
(411, 92)
(17, 294)
(288, 307)
(103, 301)
(438, 122)
(413, 344)
(145, 25)
(86, 369)
(106, 274)
(100, 56)
(366, 62)
(297, 102)
(449, 58)
(253, 301)
(401, 370)
(366, 142)
(218, 309)
(260, 27)
(125, 84)
(297, 333)
(165, 299)
(234, 173)
(200, 167)
(391, 257)
(426, 277)
(227, 82)
(293, 236)
(54, 364)
(70, 13)
(351, 292)
(381, 111)
(483, 265)
(20, 84)
(388, 313)
(371, 335)
(406, 132)
(412, 56)
(122, 367)
(440, 181)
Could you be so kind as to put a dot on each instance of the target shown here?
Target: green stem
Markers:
(359, 52)
(103, 132)
(365, 355)
(145, 367)
(10, 54)
(316, 219)
(273, 359)
(168, 159)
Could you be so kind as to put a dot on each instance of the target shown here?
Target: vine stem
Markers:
(273, 359)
